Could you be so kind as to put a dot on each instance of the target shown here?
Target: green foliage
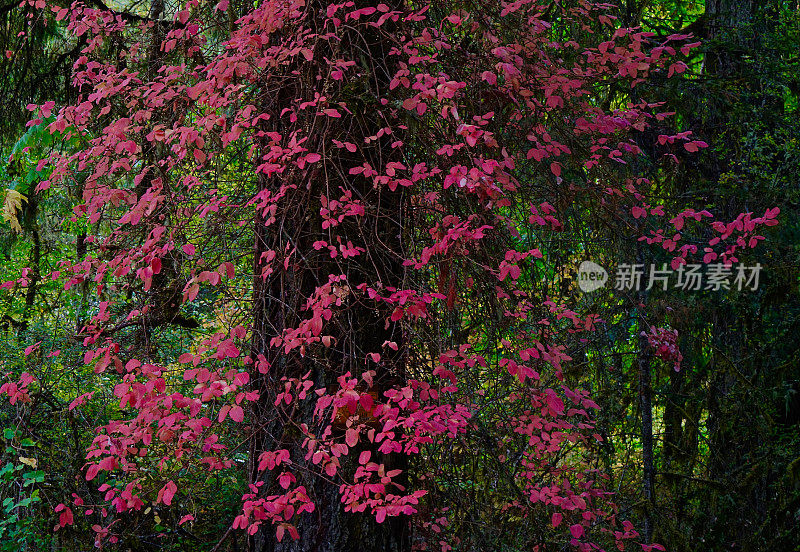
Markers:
(20, 500)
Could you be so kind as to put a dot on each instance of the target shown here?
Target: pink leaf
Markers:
(31, 348)
(65, 518)
(191, 293)
(286, 479)
(91, 472)
(80, 400)
(237, 413)
(167, 492)
(184, 519)
(351, 437)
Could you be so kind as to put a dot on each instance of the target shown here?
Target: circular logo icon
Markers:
(591, 276)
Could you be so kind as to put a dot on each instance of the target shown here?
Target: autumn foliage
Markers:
(359, 205)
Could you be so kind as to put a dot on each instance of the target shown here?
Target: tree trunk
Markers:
(278, 303)
(357, 327)
(646, 408)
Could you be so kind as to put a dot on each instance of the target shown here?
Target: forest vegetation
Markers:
(290, 275)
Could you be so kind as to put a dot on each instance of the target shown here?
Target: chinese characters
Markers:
(689, 277)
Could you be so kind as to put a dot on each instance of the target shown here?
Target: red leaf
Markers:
(576, 531)
(554, 402)
(285, 479)
(236, 413)
(191, 293)
(80, 400)
(65, 518)
(31, 348)
(351, 437)
(167, 492)
(91, 472)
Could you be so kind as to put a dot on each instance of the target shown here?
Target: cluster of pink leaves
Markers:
(665, 345)
(730, 237)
